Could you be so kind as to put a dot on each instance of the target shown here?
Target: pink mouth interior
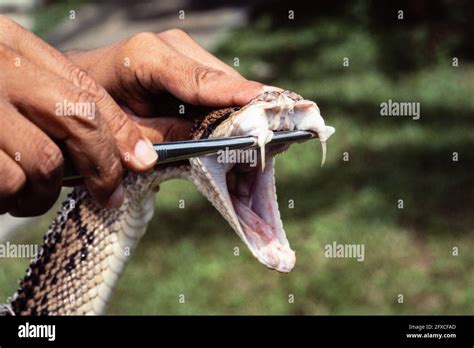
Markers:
(253, 197)
(246, 206)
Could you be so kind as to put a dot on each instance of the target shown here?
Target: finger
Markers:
(135, 151)
(185, 45)
(202, 85)
(12, 180)
(164, 68)
(160, 129)
(88, 140)
(39, 158)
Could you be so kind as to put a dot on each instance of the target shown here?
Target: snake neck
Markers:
(86, 249)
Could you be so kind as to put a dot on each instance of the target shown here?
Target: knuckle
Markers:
(77, 96)
(80, 78)
(141, 39)
(142, 72)
(84, 115)
(204, 73)
(174, 33)
(201, 75)
(51, 161)
(113, 118)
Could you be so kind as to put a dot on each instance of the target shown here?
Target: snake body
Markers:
(87, 247)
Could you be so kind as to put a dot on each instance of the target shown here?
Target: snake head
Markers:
(245, 194)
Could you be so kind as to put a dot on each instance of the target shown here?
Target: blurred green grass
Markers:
(47, 18)
(190, 251)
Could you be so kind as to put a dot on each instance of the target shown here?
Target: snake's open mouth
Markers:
(244, 194)
(253, 197)
(247, 199)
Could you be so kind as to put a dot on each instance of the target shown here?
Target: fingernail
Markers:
(145, 152)
(116, 199)
(272, 89)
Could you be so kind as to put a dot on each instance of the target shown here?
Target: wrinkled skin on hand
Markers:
(121, 82)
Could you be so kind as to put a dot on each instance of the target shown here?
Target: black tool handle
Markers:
(181, 150)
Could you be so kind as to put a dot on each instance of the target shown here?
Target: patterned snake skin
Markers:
(87, 247)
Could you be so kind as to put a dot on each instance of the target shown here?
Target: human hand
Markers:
(138, 70)
(36, 81)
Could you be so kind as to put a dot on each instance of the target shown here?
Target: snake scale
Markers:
(87, 247)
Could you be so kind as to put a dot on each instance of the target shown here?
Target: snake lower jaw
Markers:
(246, 197)
(253, 198)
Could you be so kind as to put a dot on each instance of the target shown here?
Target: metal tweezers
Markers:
(182, 150)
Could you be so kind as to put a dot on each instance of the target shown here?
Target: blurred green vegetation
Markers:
(407, 251)
(47, 18)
